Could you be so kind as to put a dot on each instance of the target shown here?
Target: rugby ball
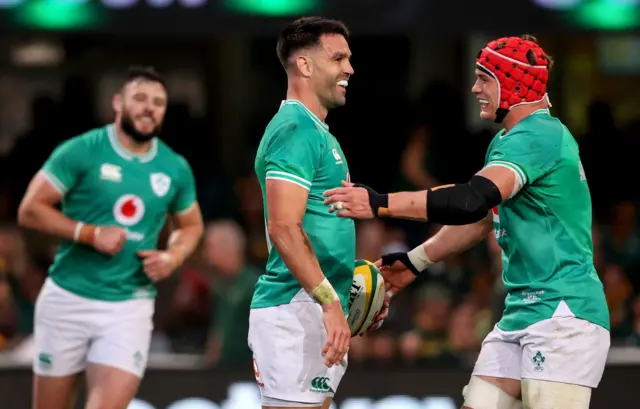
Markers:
(366, 297)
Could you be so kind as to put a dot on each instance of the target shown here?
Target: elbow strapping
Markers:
(463, 203)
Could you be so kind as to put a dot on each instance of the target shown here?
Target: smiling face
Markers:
(140, 108)
(331, 69)
(486, 91)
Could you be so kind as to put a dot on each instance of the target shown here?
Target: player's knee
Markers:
(480, 394)
(554, 395)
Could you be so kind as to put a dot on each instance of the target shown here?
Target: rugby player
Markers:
(298, 331)
(107, 194)
(549, 349)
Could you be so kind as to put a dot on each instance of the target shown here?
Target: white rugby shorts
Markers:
(70, 331)
(560, 349)
(287, 342)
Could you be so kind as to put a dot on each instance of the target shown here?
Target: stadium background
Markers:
(410, 121)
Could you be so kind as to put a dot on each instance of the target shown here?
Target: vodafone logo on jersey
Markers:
(128, 210)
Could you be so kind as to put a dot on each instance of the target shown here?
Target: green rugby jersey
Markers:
(298, 148)
(105, 185)
(545, 229)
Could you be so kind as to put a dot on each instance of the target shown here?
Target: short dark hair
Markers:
(136, 72)
(306, 32)
(531, 57)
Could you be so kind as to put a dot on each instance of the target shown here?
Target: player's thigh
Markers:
(55, 392)
(327, 403)
(565, 349)
(287, 343)
(499, 361)
(63, 326)
(495, 380)
(109, 387)
(124, 336)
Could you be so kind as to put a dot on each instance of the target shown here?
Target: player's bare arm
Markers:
(400, 269)
(464, 209)
(182, 243)
(38, 211)
(286, 204)
(456, 204)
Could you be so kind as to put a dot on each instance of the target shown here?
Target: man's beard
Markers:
(331, 99)
(130, 129)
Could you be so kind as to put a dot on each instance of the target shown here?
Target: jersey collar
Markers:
(541, 111)
(311, 114)
(125, 154)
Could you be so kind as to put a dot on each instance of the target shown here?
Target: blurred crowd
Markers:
(440, 320)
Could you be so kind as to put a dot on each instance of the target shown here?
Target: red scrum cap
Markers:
(521, 69)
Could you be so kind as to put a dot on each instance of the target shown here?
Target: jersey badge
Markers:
(337, 156)
(160, 183)
(110, 172)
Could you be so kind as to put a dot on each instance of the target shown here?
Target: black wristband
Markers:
(389, 259)
(379, 202)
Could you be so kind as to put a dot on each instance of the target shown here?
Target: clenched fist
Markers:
(157, 264)
(109, 240)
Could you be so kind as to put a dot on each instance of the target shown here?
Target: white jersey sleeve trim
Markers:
(290, 181)
(55, 182)
(276, 174)
(519, 180)
(188, 209)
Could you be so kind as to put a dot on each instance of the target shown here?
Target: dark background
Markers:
(410, 120)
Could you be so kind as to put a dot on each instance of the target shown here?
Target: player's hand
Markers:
(380, 316)
(338, 334)
(157, 264)
(109, 240)
(349, 201)
(396, 269)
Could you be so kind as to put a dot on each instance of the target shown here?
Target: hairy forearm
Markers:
(47, 219)
(293, 245)
(183, 242)
(452, 240)
(408, 205)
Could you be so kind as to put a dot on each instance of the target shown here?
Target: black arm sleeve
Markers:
(463, 203)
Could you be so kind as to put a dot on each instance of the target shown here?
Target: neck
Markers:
(517, 114)
(130, 144)
(309, 99)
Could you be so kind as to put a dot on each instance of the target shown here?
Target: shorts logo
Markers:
(45, 360)
(128, 210)
(256, 372)
(319, 384)
(538, 361)
(160, 183)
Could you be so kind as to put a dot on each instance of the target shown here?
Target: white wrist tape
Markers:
(419, 258)
(324, 293)
(76, 233)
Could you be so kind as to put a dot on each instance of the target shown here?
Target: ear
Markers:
(304, 65)
(116, 102)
